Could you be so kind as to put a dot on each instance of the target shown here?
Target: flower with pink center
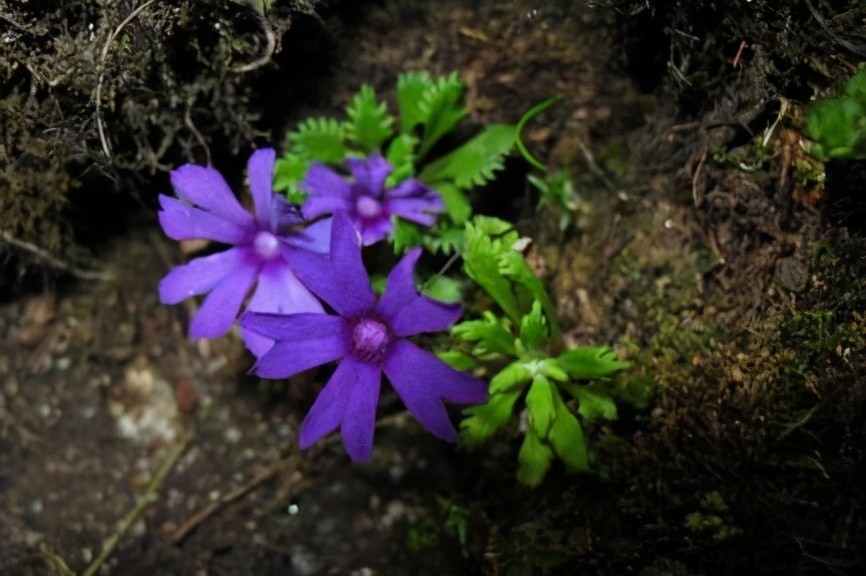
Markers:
(369, 335)
(263, 246)
(370, 205)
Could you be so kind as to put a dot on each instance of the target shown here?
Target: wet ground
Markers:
(113, 423)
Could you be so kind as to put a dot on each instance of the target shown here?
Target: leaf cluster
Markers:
(558, 390)
(837, 125)
(428, 109)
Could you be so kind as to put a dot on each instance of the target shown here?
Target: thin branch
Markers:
(133, 515)
(103, 57)
(187, 527)
(55, 262)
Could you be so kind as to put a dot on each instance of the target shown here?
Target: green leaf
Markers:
(457, 360)
(482, 421)
(457, 205)
(590, 362)
(473, 163)
(592, 404)
(441, 108)
(533, 459)
(401, 155)
(513, 377)
(410, 91)
(489, 333)
(289, 171)
(512, 265)
(443, 238)
(443, 289)
(369, 123)
(319, 139)
(533, 329)
(540, 406)
(406, 235)
(566, 437)
(481, 255)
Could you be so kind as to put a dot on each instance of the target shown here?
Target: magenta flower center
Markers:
(266, 244)
(370, 339)
(368, 207)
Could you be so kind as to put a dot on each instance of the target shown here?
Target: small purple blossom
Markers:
(366, 200)
(368, 335)
(263, 246)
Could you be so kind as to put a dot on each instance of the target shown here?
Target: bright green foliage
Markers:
(837, 125)
(427, 109)
(440, 109)
(473, 163)
(369, 123)
(319, 139)
(559, 391)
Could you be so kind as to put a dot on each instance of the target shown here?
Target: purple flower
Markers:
(263, 247)
(369, 204)
(369, 335)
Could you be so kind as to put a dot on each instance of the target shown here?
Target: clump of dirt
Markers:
(96, 97)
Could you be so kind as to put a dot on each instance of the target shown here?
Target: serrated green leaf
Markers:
(488, 333)
(457, 360)
(457, 205)
(540, 406)
(320, 139)
(512, 265)
(592, 405)
(401, 155)
(533, 459)
(369, 123)
(473, 163)
(443, 289)
(443, 238)
(441, 108)
(411, 87)
(406, 235)
(590, 362)
(482, 422)
(513, 377)
(533, 329)
(289, 171)
(566, 437)
(481, 256)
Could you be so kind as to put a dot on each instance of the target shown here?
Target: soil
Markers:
(700, 256)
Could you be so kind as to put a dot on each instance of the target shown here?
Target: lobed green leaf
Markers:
(533, 459)
(369, 123)
(474, 162)
(590, 362)
(483, 421)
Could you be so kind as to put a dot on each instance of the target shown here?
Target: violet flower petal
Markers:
(315, 237)
(207, 188)
(370, 173)
(340, 280)
(359, 418)
(181, 221)
(408, 311)
(422, 381)
(326, 188)
(316, 206)
(260, 173)
(409, 189)
(220, 307)
(420, 210)
(327, 411)
(295, 327)
(373, 230)
(201, 275)
(287, 358)
(278, 291)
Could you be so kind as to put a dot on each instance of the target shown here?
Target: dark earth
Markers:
(708, 248)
